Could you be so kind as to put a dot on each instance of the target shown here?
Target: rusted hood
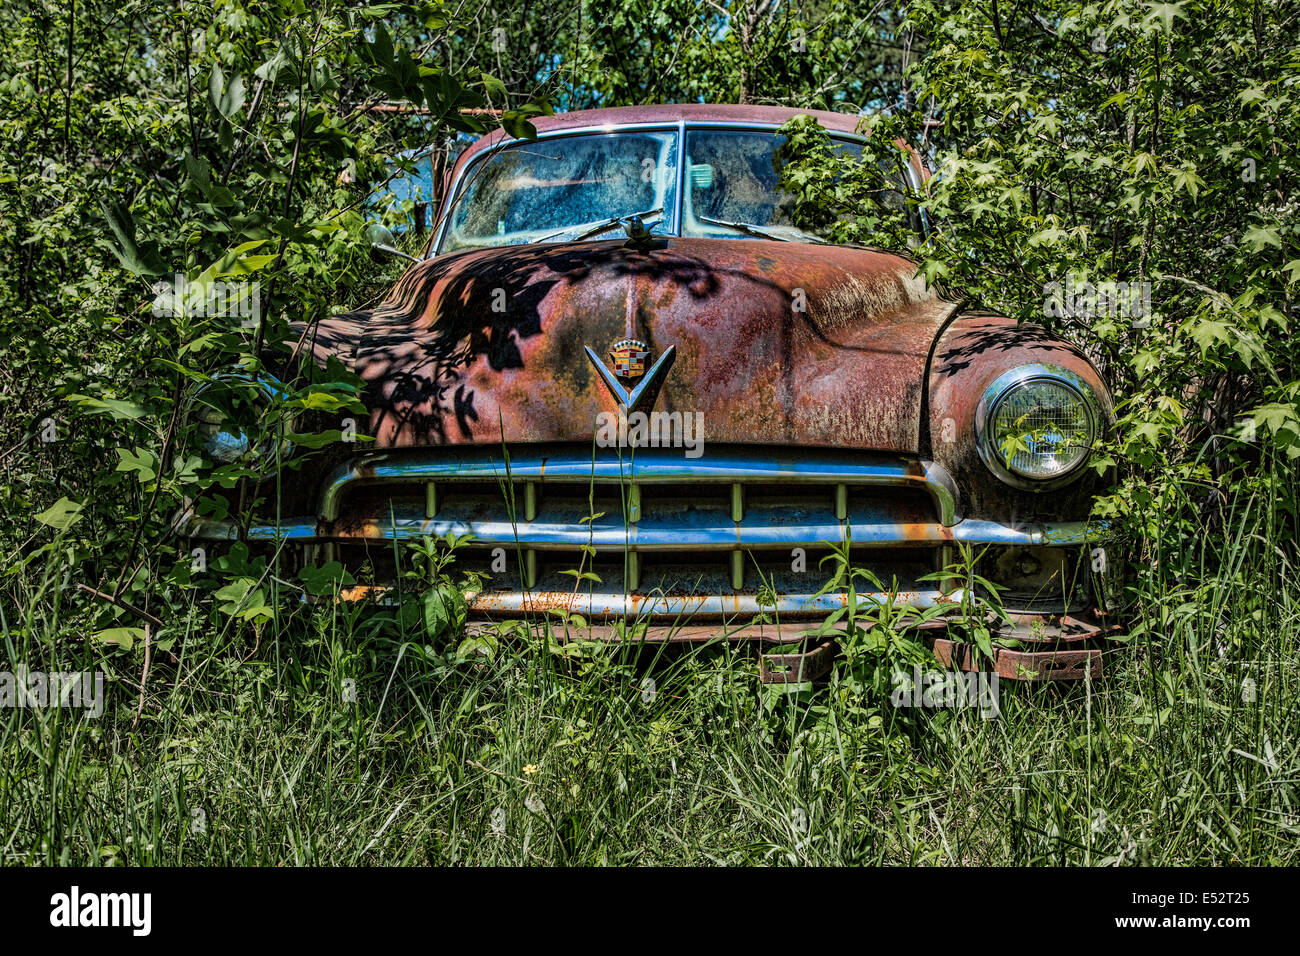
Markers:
(776, 342)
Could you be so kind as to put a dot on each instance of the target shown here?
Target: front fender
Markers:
(968, 356)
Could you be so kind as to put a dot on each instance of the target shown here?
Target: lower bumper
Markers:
(1062, 648)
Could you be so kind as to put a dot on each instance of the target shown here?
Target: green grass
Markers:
(247, 750)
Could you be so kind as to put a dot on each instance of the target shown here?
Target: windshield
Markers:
(578, 187)
(560, 188)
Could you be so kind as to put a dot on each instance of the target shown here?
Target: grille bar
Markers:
(647, 466)
(683, 531)
(702, 606)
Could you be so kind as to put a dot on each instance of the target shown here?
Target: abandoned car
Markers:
(656, 403)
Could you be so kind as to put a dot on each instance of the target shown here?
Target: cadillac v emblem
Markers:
(629, 357)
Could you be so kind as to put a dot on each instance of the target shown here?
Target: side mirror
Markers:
(383, 246)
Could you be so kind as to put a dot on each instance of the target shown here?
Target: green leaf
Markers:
(321, 439)
(515, 121)
(226, 99)
(381, 50)
(139, 258)
(241, 598)
(494, 87)
(321, 581)
(445, 611)
(123, 637)
(1186, 178)
(480, 645)
(117, 408)
(140, 461)
(1257, 237)
(1163, 15)
(322, 402)
(62, 515)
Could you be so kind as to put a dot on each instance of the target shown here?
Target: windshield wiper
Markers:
(758, 231)
(605, 226)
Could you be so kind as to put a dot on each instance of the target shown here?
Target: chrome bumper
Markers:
(700, 535)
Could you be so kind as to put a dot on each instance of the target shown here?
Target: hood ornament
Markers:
(639, 237)
(629, 358)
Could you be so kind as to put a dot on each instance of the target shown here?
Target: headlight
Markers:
(230, 406)
(1036, 426)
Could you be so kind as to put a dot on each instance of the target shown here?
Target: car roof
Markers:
(673, 113)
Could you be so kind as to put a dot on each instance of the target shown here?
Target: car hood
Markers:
(776, 342)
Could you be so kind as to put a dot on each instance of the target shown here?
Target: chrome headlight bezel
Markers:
(272, 389)
(998, 391)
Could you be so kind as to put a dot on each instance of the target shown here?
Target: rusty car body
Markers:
(840, 401)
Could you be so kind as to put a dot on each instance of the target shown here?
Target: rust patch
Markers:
(777, 342)
(797, 668)
(1034, 666)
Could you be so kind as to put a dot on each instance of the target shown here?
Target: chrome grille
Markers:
(732, 533)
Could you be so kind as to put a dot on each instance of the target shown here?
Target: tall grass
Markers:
(249, 748)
